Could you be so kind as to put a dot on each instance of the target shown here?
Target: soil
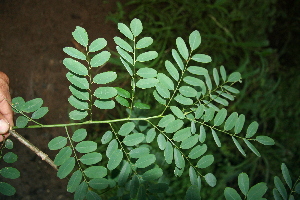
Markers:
(33, 34)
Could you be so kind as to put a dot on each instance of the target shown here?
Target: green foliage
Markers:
(138, 151)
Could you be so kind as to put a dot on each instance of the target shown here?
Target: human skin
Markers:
(6, 113)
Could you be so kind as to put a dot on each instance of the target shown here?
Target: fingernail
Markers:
(4, 126)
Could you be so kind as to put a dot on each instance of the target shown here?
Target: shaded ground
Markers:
(32, 36)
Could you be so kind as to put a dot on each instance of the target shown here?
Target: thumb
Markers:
(4, 126)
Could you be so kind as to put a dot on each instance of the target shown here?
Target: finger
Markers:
(4, 128)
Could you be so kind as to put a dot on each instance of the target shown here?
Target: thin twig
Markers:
(38, 152)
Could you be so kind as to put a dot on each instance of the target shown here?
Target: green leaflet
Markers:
(239, 147)
(133, 139)
(145, 161)
(152, 174)
(126, 56)
(202, 135)
(32, 105)
(99, 183)
(115, 159)
(75, 66)
(71, 51)
(105, 104)
(97, 45)
(220, 117)
(179, 160)
(286, 175)
(78, 115)
(39, 113)
(183, 100)
(257, 191)
(162, 90)
(81, 36)
(147, 56)
(231, 121)
(139, 152)
(74, 181)
(193, 193)
(78, 81)
(165, 81)
(21, 122)
(182, 48)
(231, 194)
(188, 91)
(146, 72)
(239, 124)
(79, 135)
(90, 195)
(124, 174)
(176, 111)
(147, 83)
(112, 146)
(161, 141)
(243, 182)
(251, 147)
(205, 161)
(182, 134)
(105, 77)
(150, 135)
(126, 128)
(197, 151)
(134, 186)
(216, 76)
(223, 73)
(79, 93)
(10, 172)
(66, 168)
(7, 189)
(172, 70)
(57, 143)
(193, 176)
(216, 138)
(86, 146)
(280, 187)
(177, 59)
(201, 58)
(136, 27)
(189, 142)
(265, 140)
(125, 30)
(252, 129)
(141, 105)
(144, 42)
(91, 158)
(235, 76)
(210, 179)
(63, 155)
(194, 40)
(77, 103)
(10, 157)
(105, 92)
(168, 153)
(174, 126)
(166, 120)
(123, 44)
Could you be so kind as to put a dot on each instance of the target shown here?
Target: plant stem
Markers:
(36, 150)
(92, 122)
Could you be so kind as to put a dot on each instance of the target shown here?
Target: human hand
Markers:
(6, 113)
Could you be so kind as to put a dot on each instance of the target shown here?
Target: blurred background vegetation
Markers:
(260, 39)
